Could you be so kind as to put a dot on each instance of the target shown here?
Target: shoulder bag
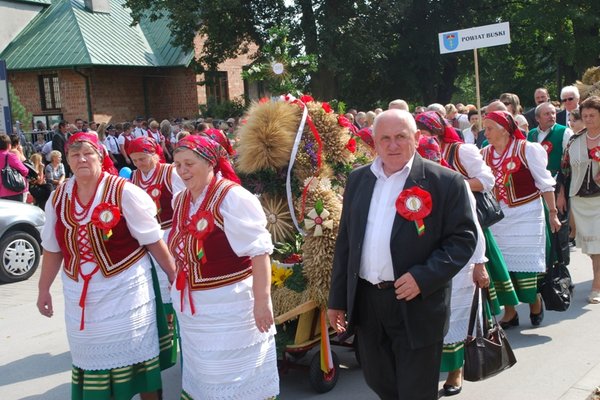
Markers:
(487, 351)
(488, 208)
(11, 178)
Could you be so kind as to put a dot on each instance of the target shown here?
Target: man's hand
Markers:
(337, 320)
(406, 287)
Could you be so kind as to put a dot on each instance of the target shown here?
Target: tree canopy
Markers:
(371, 51)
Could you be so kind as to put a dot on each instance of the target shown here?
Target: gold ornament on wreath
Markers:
(279, 220)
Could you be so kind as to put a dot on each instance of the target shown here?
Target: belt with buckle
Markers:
(384, 285)
(381, 285)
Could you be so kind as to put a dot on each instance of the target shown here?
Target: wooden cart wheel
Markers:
(319, 380)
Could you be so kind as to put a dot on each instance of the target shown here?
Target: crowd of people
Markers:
(181, 244)
(541, 166)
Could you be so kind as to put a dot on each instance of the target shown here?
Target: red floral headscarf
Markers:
(436, 124)
(92, 140)
(504, 119)
(212, 152)
(430, 149)
(143, 144)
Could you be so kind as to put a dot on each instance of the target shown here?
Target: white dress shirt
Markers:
(376, 261)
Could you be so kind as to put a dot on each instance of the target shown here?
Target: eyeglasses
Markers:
(506, 103)
(567, 99)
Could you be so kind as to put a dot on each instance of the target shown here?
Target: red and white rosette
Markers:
(510, 166)
(595, 153)
(547, 145)
(105, 217)
(155, 191)
(200, 226)
(415, 204)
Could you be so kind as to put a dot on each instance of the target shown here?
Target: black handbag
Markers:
(488, 209)
(556, 287)
(11, 178)
(487, 351)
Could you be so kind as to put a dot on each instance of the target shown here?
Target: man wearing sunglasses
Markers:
(569, 99)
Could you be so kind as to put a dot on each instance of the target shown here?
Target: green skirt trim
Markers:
(525, 284)
(116, 384)
(502, 291)
(453, 356)
(167, 337)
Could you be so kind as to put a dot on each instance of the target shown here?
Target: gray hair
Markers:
(570, 90)
(398, 104)
(538, 109)
(437, 107)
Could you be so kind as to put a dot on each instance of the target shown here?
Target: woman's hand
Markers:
(44, 304)
(554, 222)
(263, 314)
(480, 276)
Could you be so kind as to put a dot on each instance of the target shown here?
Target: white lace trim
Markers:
(229, 381)
(521, 237)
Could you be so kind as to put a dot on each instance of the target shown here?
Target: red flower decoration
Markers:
(201, 225)
(306, 99)
(154, 191)
(105, 217)
(595, 153)
(263, 100)
(415, 204)
(511, 165)
(326, 107)
(351, 145)
(343, 121)
(547, 145)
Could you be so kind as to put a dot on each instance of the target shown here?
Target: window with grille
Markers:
(217, 87)
(50, 92)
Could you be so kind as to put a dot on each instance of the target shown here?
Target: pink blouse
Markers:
(15, 163)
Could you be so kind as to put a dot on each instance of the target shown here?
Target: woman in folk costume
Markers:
(522, 179)
(222, 293)
(103, 227)
(161, 182)
(580, 183)
(466, 159)
(463, 285)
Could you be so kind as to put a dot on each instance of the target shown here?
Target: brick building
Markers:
(82, 59)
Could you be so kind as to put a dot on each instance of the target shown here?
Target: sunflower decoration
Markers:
(279, 220)
(279, 274)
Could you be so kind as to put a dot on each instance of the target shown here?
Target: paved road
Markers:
(558, 361)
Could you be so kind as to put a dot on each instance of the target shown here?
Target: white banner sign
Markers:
(5, 120)
(474, 38)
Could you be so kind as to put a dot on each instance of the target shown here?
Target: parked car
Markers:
(20, 241)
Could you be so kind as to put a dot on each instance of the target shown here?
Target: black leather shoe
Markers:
(536, 319)
(451, 390)
(514, 321)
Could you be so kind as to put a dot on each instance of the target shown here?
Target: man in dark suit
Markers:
(391, 271)
(59, 139)
(569, 98)
(541, 96)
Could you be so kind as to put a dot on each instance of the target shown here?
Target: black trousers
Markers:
(391, 368)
